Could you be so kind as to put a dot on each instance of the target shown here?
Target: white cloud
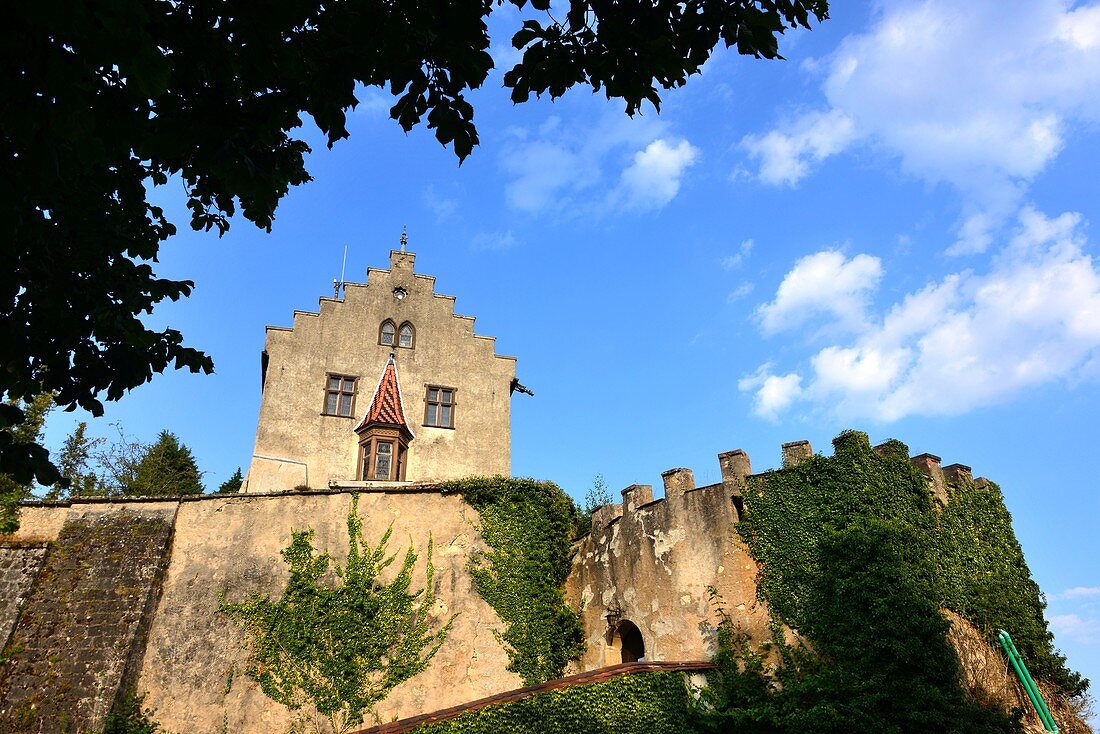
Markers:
(739, 292)
(978, 95)
(966, 341)
(785, 156)
(1082, 630)
(653, 179)
(1079, 592)
(442, 206)
(558, 167)
(823, 283)
(774, 393)
(729, 262)
(493, 241)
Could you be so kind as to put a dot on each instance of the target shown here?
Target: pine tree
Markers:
(74, 464)
(25, 433)
(233, 484)
(167, 468)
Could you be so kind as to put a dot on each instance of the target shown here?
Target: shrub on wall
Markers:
(340, 647)
(528, 527)
(856, 561)
(644, 703)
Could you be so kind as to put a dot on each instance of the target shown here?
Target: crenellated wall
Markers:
(653, 563)
(104, 596)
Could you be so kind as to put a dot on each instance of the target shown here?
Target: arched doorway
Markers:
(631, 644)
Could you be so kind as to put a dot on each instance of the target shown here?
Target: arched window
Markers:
(387, 334)
(406, 335)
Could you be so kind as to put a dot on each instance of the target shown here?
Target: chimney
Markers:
(635, 496)
(677, 481)
(929, 464)
(735, 467)
(795, 452)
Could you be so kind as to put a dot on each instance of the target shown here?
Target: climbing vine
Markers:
(986, 579)
(340, 647)
(644, 703)
(528, 526)
(857, 561)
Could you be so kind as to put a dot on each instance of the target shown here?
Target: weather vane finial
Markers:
(404, 237)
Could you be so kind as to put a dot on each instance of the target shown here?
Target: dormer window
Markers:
(387, 334)
(406, 336)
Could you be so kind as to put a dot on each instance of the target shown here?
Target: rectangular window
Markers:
(440, 407)
(383, 459)
(339, 394)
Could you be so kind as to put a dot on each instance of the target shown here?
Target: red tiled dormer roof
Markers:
(385, 406)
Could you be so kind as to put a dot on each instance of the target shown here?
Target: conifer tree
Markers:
(167, 468)
(233, 484)
(13, 492)
(74, 463)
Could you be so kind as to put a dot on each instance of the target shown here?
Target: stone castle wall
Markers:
(119, 595)
(81, 648)
(76, 647)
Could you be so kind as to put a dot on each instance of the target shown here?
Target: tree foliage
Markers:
(75, 462)
(167, 468)
(343, 647)
(99, 103)
(25, 434)
(233, 484)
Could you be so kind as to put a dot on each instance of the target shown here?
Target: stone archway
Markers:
(627, 644)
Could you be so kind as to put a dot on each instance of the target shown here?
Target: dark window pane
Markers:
(330, 403)
(431, 415)
(445, 396)
(334, 383)
(387, 334)
(445, 415)
(406, 336)
(433, 395)
(382, 460)
(345, 405)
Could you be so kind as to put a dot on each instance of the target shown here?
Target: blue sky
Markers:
(892, 230)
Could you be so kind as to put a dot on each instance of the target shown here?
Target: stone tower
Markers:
(383, 386)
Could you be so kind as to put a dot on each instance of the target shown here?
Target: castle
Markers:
(383, 392)
(386, 384)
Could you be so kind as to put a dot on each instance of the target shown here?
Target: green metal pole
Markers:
(1026, 680)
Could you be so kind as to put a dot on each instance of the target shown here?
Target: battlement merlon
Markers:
(795, 452)
(678, 482)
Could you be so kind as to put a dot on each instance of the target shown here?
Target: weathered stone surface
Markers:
(19, 566)
(77, 644)
(653, 567)
(194, 668)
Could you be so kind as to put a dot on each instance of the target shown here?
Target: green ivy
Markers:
(987, 580)
(340, 647)
(130, 718)
(643, 703)
(856, 558)
(528, 527)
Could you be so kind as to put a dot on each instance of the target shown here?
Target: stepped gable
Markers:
(386, 407)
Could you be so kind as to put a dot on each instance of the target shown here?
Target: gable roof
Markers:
(386, 407)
